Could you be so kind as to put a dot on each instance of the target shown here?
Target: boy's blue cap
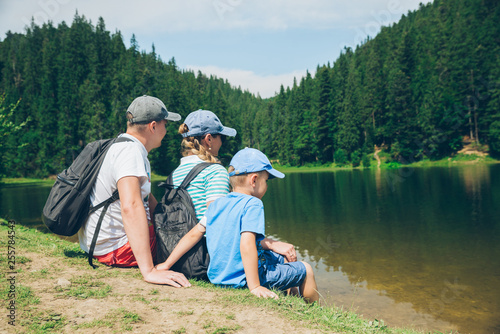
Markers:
(202, 122)
(251, 160)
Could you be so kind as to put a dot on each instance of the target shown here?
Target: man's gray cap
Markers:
(146, 109)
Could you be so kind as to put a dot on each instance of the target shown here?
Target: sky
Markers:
(257, 45)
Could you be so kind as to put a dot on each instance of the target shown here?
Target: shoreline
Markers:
(55, 290)
(382, 163)
(457, 161)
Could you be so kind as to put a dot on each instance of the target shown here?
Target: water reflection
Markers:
(429, 241)
(474, 180)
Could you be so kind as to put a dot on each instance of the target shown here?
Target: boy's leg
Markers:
(275, 273)
(292, 291)
(308, 288)
(278, 274)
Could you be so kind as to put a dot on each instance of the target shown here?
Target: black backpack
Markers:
(68, 205)
(174, 217)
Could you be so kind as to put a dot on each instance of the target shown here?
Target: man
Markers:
(127, 237)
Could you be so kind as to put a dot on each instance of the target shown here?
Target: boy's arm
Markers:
(248, 249)
(185, 244)
(282, 248)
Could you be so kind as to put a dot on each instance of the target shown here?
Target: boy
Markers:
(240, 255)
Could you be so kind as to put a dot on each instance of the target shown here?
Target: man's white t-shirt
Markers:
(122, 159)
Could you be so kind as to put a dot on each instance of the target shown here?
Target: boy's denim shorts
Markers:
(274, 273)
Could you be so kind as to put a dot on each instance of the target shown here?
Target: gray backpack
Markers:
(68, 206)
(175, 216)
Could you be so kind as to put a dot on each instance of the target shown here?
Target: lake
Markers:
(414, 247)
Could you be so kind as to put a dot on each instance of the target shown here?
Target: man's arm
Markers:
(249, 257)
(136, 227)
(283, 248)
(185, 244)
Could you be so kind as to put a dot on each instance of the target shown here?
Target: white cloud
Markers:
(206, 15)
(265, 85)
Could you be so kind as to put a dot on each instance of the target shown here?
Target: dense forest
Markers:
(419, 89)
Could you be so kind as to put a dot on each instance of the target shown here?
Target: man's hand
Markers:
(260, 291)
(167, 277)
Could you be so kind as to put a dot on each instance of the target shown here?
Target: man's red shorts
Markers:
(123, 256)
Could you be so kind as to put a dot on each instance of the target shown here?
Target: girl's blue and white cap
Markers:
(202, 122)
(251, 160)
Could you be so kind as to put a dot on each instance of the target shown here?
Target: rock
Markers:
(63, 283)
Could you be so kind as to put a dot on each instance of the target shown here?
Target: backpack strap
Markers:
(104, 204)
(187, 180)
(193, 173)
(115, 196)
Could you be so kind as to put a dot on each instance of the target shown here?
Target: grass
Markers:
(41, 274)
(142, 299)
(456, 160)
(42, 322)
(12, 182)
(25, 296)
(22, 181)
(28, 317)
(184, 313)
(225, 329)
(88, 283)
(319, 317)
(155, 177)
(210, 327)
(119, 319)
(85, 292)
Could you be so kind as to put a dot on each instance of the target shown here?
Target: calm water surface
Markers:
(414, 247)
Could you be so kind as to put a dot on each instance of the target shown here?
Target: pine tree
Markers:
(348, 134)
(324, 123)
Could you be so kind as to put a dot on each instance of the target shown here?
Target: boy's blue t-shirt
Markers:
(227, 218)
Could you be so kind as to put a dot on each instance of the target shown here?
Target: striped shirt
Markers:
(210, 184)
